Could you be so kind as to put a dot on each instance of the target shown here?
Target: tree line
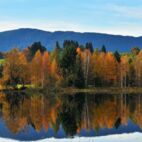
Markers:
(72, 65)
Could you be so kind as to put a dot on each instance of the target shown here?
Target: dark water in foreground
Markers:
(37, 116)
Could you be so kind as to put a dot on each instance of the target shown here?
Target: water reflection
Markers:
(32, 116)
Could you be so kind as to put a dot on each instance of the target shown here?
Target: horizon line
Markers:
(82, 32)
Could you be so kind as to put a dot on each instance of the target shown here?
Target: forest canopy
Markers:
(70, 65)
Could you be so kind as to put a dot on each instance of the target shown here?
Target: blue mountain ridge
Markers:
(23, 38)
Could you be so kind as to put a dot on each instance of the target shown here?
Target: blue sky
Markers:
(105, 16)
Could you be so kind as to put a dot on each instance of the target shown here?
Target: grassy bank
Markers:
(108, 90)
(2, 61)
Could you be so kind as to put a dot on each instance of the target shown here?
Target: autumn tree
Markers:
(96, 74)
(86, 58)
(104, 69)
(16, 69)
(46, 69)
(24, 70)
(110, 69)
(95, 70)
(55, 72)
(132, 77)
(124, 67)
(138, 68)
(36, 69)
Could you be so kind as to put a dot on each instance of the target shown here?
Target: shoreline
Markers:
(70, 90)
(107, 90)
(131, 137)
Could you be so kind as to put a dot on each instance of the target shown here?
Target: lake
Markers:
(35, 116)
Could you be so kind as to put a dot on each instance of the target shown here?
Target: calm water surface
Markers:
(37, 116)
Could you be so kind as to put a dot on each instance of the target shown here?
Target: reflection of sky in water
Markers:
(131, 127)
(29, 132)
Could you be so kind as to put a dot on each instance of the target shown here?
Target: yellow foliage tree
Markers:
(36, 69)
(15, 68)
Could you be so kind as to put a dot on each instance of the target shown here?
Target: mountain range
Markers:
(23, 38)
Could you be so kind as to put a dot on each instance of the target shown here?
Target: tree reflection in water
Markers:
(70, 113)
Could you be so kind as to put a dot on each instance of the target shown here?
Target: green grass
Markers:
(2, 61)
(19, 86)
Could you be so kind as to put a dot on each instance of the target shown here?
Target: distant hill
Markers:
(24, 37)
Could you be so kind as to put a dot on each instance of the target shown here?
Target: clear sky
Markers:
(105, 16)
